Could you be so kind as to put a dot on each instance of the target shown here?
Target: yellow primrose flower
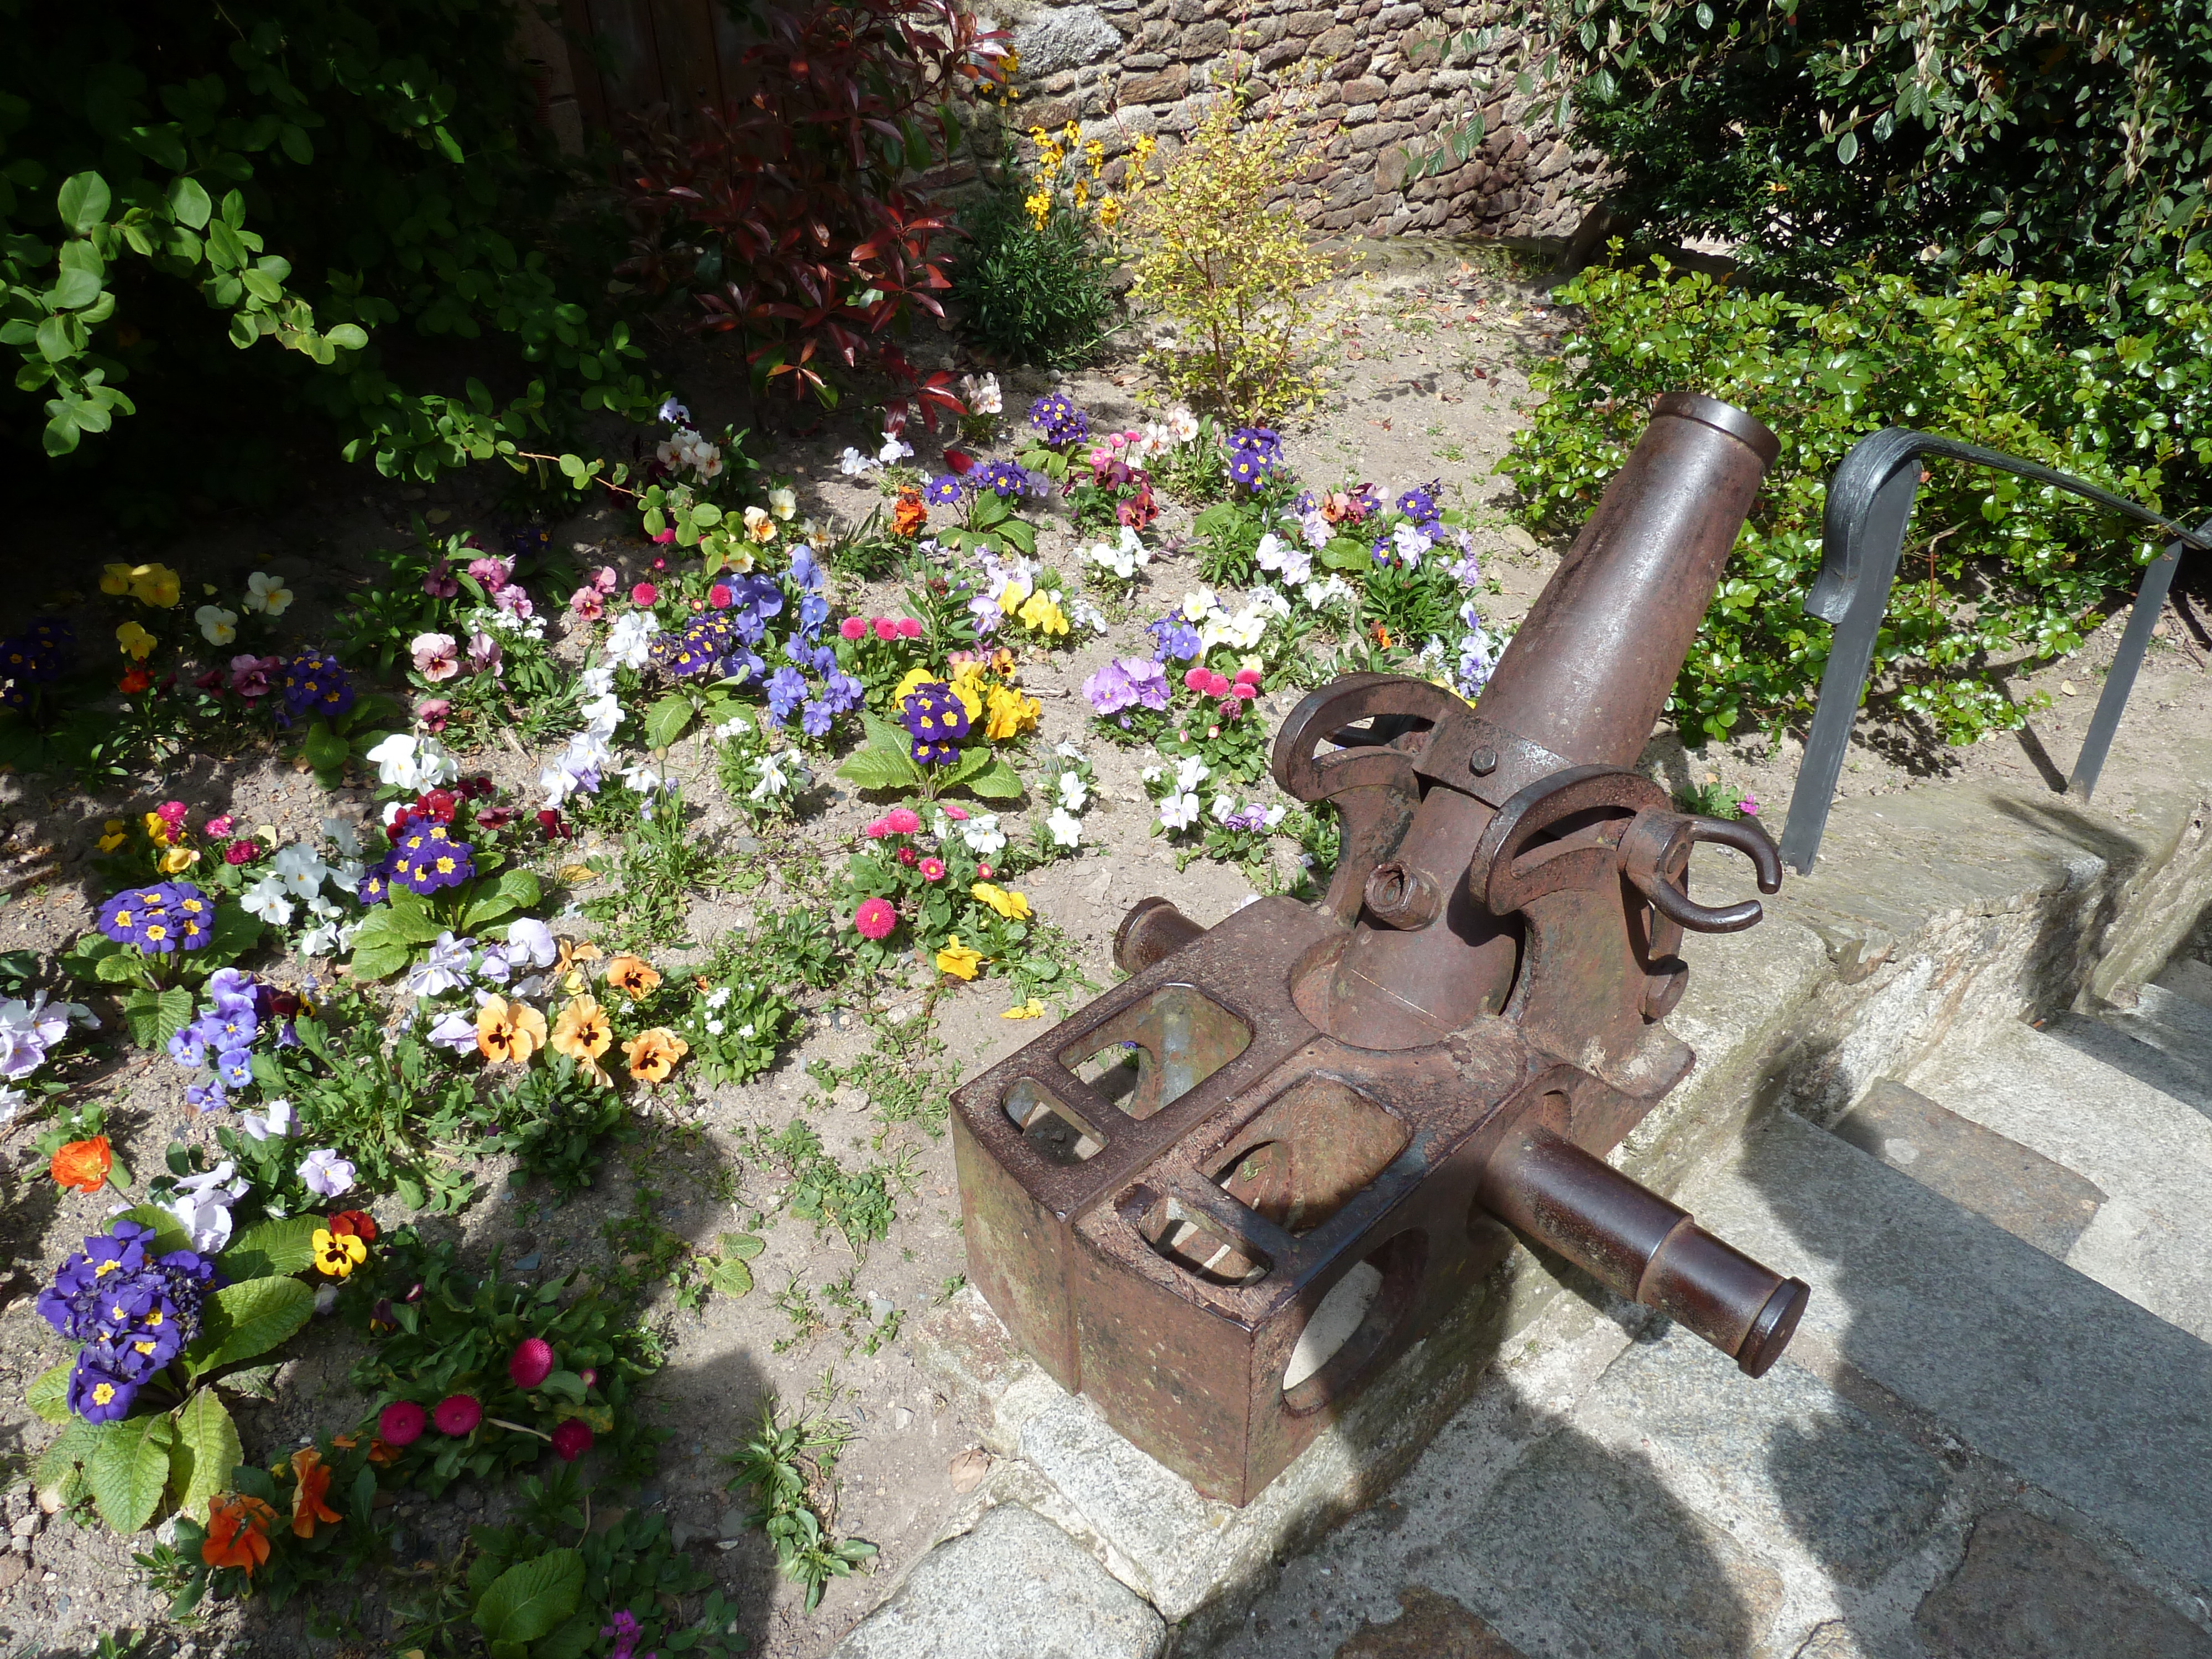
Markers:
(135, 641)
(782, 502)
(1042, 614)
(1031, 1009)
(1010, 714)
(179, 860)
(759, 526)
(114, 837)
(957, 960)
(157, 829)
(1012, 906)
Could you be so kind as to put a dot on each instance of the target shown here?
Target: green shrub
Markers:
(1998, 574)
(1028, 291)
(220, 218)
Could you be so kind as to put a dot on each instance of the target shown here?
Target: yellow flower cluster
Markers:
(155, 584)
(1084, 161)
(985, 690)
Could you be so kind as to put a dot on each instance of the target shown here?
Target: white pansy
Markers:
(1321, 593)
(893, 450)
(301, 868)
(267, 595)
(1067, 831)
(630, 641)
(278, 1120)
(983, 834)
(265, 900)
(531, 942)
(444, 967)
(1182, 424)
(603, 715)
(597, 681)
(1180, 811)
(413, 764)
(1191, 772)
(1198, 605)
(341, 835)
(982, 394)
(853, 463)
(1072, 793)
(1085, 614)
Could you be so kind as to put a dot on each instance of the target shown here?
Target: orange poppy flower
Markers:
(83, 1164)
(509, 1031)
(307, 1505)
(237, 1532)
(652, 1054)
(633, 974)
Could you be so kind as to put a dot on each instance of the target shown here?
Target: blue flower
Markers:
(232, 1030)
(843, 693)
(1058, 419)
(814, 718)
(1173, 640)
(99, 1396)
(236, 1067)
(207, 1096)
(805, 571)
(813, 611)
(188, 1046)
(943, 491)
(787, 688)
(233, 989)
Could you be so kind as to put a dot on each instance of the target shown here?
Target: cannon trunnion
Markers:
(1229, 1193)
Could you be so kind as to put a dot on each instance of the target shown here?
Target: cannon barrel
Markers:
(1584, 680)
(1638, 1244)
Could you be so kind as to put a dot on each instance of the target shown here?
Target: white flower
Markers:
(11, 1101)
(714, 1027)
(446, 967)
(530, 942)
(1191, 772)
(1068, 752)
(982, 835)
(265, 899)
(28, 1029)
(340, 834)
(642, 778)
(597, 681)
(672, 412)
(203, 1204)
(280, 1120)
(748, 1031)
(1151, 774)
(893, 450)
(1200, 604)
(1316, 529)
(603, 715)
(1412, 542)
(326, 1296)
(717, 996)
(217, 625)
(456, 1031)
(980, 393)
(1066, 830)
(1083, 614)
(1182, 424)
(1223, 805)
(1179, 812)
(775, 781)
(630, 641)
(853, 463)
(267, 595)
(328, 938)
(735, 726)
(301, 868)
(1073, 794)
(1288, 559)
(1318, 594)
(326, 1174)
(413, 764)
(784, 503)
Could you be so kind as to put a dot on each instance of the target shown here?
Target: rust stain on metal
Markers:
(1228, 1194)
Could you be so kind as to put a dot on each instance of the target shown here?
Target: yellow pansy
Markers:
(1011, 596)
(178, 860)
(1031, 1009)
(136, 643)
(1042, 614)
(1012, 906)
(157, 829)
(759, 526)
(957, 960)
(1009, 713)
(115, 579)
(114, 837)
(156, 585)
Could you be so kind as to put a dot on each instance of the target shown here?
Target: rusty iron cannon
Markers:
(1228, 1194)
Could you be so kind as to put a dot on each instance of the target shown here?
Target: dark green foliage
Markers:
(2035, 135)
(224, 219)
(552, 1120)
(1028, 294)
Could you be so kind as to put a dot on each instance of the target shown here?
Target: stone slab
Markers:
(2027, 1590)
(1430, 1626)
(2035, 1200)
(1783, 1453)
(2151, 1241)
(2190, 1085)
(1578, 1553)
(2104, 1405)
(1015, 1588)
(2173, 1023)
(2186, 976)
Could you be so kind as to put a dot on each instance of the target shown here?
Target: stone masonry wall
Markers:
(1377, 83)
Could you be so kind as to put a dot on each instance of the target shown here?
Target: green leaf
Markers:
(270, 1249)
(377, 958)
(188, 201)
(169, 1233)
(242, 1320)
(996, 782)
(731, 1278)
(206, 1450)
(84, 201)
(667, 720)
(128, 1470)
(233, 931)
(741, 1247)
(326, 750)
(515, 889)
(348, 337)
(572, 1641)
(1847, 149)
(883, 733)
(879, 768)
(409, 917)
(530, 1599)
(48, 1394)
(74, 289)
(57, 1476)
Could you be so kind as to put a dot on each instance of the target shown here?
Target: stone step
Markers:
(2149, 1153)
(2081, 1391)
(2190, 1085)
(2173, 1023)
(2186, 976)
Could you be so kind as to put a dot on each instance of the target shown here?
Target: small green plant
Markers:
(664, 868)
(790, 1468)
(822, 1190)
(1230, 263)
(1030, 281)
(552, 1119)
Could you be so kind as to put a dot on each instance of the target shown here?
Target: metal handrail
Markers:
(1863, 537)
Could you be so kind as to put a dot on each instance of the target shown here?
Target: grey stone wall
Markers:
(1372, 80)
